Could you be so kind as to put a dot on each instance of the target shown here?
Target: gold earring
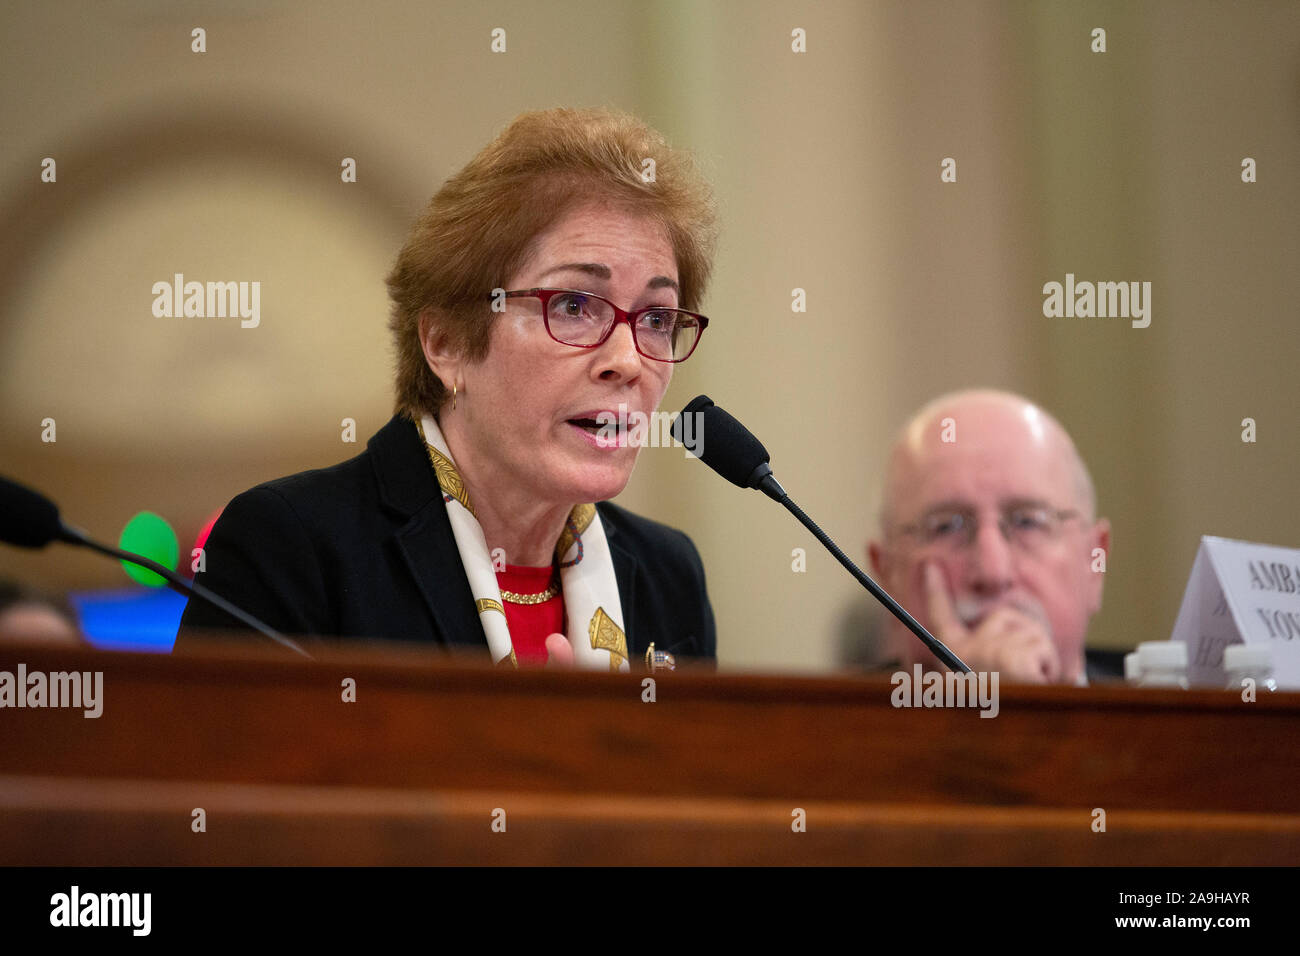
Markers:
(453, 396)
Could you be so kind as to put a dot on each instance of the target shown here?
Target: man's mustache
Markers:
(973, 610)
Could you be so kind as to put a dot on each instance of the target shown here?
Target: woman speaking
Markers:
(547, 288)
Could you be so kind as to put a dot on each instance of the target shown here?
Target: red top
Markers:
(531, 624)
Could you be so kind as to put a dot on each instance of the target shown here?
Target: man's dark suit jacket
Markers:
(365, 550)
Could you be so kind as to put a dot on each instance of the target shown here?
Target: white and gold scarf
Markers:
(593, 612)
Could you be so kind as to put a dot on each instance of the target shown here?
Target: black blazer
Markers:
(365, 550)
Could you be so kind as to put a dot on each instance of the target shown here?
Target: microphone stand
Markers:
(178, 584)
(766, 482)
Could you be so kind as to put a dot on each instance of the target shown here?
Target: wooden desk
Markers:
(586, 772)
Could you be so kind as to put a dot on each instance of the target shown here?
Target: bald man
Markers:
(30, 615)
(989, 537)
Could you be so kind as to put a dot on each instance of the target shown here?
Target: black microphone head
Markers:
(27, 518)
(721, 442)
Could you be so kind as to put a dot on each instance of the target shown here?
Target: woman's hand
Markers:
(559, 652)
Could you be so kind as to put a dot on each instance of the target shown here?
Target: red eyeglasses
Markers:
(585, 320)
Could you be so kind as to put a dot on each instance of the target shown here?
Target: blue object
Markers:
(133, 619)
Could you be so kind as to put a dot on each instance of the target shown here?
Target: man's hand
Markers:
(1008, 641)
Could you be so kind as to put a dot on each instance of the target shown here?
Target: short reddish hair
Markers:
(479, 228)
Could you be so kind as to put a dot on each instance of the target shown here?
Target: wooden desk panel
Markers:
(588, 773)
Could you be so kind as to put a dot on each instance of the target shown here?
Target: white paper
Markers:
(1241, 592)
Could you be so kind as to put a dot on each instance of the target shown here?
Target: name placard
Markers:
(1238, 592)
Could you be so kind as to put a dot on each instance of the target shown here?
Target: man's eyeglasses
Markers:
(1027, 527)
(585, 321)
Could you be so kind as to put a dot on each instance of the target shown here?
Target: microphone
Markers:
(30, 520)
(27, 518)
(734, 453)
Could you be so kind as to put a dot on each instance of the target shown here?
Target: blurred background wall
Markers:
(1122, 165)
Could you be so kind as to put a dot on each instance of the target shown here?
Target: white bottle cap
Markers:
(1162, 655)
(1247, 657)
(1132, 667)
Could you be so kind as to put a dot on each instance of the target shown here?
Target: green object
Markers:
(150, 536)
